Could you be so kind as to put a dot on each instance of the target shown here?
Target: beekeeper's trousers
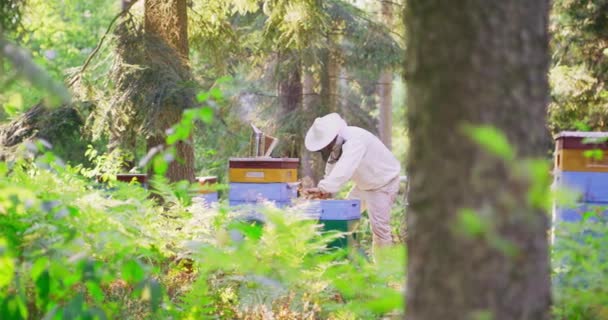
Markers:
(378, 203)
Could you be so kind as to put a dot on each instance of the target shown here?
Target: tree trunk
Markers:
(333, 72)
(313, 165)
(385, 88)
(330, 73)
(308, 83)
(168, 20)
(484, 62)
(290, 89)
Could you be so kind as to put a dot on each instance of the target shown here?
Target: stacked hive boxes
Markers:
(581, 164)
(253, 180)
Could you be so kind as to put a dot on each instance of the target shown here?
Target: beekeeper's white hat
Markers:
(323, 131)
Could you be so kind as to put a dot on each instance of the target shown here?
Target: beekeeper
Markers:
(356, 154)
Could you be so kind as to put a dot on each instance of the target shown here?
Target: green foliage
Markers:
(282, 267)
(86, 251)
(579, 270)
(10, 14)
(65, 242)
(578, 75)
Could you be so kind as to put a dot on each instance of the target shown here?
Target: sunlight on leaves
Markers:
(492, 140)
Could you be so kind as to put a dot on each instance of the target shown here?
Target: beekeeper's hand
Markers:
(315, 193)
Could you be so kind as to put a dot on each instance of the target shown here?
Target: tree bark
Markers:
(482, 62)
(290, 88)
(313, 165)
(168, 20)
(385, 88)
(308, 83)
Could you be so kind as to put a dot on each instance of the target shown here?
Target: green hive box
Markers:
(341, 226)
(339, 215)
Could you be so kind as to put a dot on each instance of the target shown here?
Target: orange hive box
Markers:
(581, 151)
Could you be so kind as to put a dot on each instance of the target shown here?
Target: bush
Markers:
(71, 247)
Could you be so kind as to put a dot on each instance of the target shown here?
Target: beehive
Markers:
(208, 189)
(207, 184)
(336, 215)
(581, 165)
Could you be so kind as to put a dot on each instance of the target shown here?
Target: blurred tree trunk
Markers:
(483, 62)
(168, 20)
(385, 87)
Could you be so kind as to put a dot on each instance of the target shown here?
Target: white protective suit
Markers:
(375, 172)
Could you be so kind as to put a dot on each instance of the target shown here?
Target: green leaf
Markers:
(7, 265)
(216, 93)
(95, 291)
(3, 169)
(38, 267)
(43, 286)
(470, 223)
(132, 271)
(588, 215)
(250, 230)
(492, 140)
(226, 79)
(595, 154)
(202, 96)
(160, 164)
(206, 114)
(581, 126)
(539, 193)
(14, 104)
(13, 307)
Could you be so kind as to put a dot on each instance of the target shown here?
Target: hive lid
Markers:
(582, 140)
(262, 159)
(264, 163)
(582, 134)
(207, 179)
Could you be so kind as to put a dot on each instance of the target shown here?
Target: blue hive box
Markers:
(334, 209)
(592, 186)
(209, 198)
(254, 203)
(253, 192)
(594, 212)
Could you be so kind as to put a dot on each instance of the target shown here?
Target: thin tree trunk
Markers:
(168, 20)
(333, 72)
(290, 89)
(308, 83)
(478, 62)
(290, 103)
(385, 88)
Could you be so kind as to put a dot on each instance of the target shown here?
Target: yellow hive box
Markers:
(581, 160)
(263, 175)
(263, 170)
